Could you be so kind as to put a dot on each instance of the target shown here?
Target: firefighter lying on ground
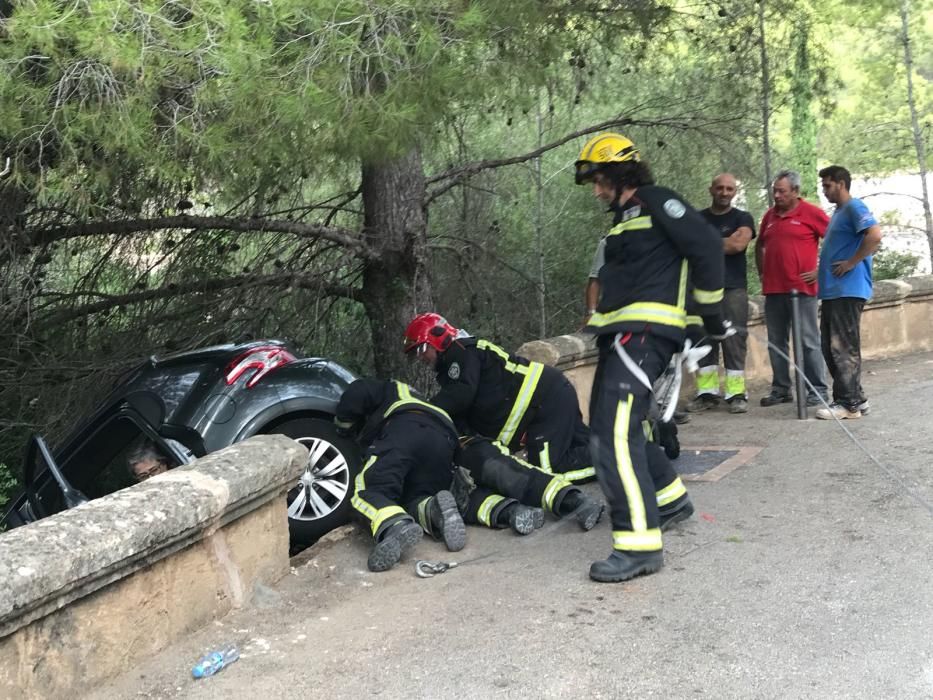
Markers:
(500, 490)
(402, 490)
(503, 397)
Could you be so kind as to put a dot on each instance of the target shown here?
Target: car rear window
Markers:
(175, 384)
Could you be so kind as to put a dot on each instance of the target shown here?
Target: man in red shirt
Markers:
(786, 257)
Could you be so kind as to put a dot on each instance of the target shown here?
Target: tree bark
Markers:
(765, 100)
(539, 229)
(14, 201)
(915, 123)
(395, 279)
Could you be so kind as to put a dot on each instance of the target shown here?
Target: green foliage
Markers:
(177, 89)
(869, 130)
(8, 484)
(803, 123)
(893, 265)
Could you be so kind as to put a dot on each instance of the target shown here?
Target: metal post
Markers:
(798, 355)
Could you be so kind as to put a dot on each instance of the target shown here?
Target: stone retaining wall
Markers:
(896, 321)
(89, 592)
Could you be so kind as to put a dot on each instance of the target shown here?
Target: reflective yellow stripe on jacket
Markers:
(682, 288)
(406, 399)
(703, 296)
(639, 223)
(647, 311)
(532, 373)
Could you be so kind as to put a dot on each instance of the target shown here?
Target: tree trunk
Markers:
(915, 123)
(803, 125)
(539, 229)
(765, 100)
(395, 281)
(13, 202)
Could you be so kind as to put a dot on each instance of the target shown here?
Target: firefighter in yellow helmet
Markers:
(640, 323)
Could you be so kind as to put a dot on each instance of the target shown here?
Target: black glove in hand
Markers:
(717, 327)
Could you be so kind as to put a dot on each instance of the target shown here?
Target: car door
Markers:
(96, 461)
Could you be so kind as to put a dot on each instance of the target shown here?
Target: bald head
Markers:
(722, 191)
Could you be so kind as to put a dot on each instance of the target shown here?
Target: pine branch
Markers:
(346, 238)
(459, 252)
(455, 176)
(107, 302)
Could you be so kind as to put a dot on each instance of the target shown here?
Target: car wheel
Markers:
(320, 501)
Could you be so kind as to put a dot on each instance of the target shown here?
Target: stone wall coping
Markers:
(921, 284)
(568, 351)
(47, 564)
(886, 291)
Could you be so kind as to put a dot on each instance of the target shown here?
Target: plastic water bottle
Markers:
(216, 660)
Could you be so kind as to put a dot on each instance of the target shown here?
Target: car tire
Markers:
(326, 486)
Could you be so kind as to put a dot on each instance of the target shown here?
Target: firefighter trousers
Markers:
(502, 479)
(556, 437)
(409, 462)
(636, 477)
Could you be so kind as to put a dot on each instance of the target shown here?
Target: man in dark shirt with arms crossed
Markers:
(738, 229)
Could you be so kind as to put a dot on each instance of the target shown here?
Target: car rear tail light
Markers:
(257, 363)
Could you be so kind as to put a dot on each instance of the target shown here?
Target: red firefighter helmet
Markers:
(430, 328)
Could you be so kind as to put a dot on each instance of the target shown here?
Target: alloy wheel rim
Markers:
(324, 483)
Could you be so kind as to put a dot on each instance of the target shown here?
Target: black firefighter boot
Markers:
(521, 518)
(621, 566)
(395, 542)
(585, 510)
(675, 512)
(446, 521)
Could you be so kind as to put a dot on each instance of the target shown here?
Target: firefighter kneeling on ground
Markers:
(402, 490)
(490, 392)
(502, 490)
(640, 322)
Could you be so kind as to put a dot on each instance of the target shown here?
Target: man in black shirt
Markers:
(737, 229)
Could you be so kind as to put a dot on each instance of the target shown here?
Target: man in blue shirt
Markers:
(845, 284)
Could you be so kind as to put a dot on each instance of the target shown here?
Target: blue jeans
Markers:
(778, 319)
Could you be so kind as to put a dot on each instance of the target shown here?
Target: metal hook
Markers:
(428, 569)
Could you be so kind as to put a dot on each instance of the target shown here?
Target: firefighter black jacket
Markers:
(656, 242)
(368, 403)
(488, 391)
